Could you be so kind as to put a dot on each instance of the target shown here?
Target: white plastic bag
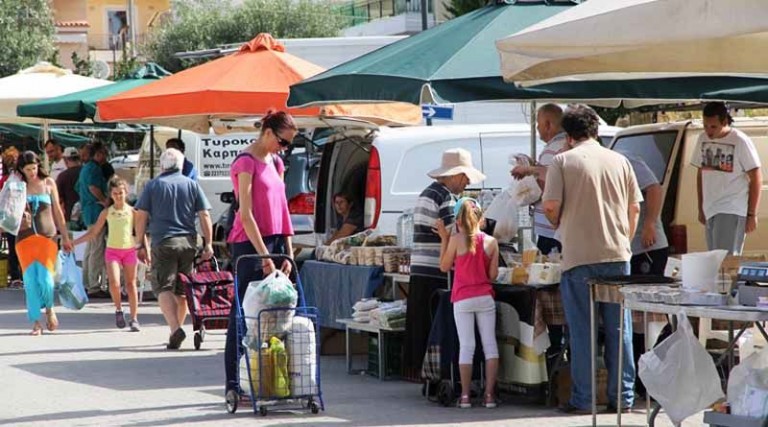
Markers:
(274, 291)
(680, 374)
(528, 191)
(748, 386)
(72, 293)
(13, 200)
(503, 209)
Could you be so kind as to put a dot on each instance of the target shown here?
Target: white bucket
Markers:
(700, 270)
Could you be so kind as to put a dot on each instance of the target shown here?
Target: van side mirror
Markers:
(227, 197)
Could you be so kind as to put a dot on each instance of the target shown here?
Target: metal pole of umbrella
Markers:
(151, 151)
(533, 130)
(424, 23)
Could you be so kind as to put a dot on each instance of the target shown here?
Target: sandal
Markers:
(490, 401)
(37, 329)
(51, 321)
(464, 402)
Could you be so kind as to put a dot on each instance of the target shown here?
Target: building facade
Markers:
(99, 30)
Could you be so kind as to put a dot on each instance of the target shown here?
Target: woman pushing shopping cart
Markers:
(278, 356)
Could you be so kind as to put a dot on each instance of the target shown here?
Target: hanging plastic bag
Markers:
(503, 209)
(680, 374)
(72, 293)
(275, 291)
(13, 200)
(528, 191)
(58, 269)
(748, 386)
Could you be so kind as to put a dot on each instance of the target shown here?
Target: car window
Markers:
(655, 149)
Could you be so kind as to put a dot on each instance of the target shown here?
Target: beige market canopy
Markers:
(625, 39)
(42, 81)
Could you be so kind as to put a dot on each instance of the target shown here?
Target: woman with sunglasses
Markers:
(262, 223)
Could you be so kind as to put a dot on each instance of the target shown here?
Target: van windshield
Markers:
(655, 149)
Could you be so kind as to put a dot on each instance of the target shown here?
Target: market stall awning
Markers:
(455, 61)
(80, 106)
(41, 81)
(599, 38)
(36, 132)
(250, 82)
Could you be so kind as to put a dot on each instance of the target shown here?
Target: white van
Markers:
(385, 169)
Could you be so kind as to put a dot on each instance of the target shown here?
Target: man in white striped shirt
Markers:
(435, 202)
(548, 125)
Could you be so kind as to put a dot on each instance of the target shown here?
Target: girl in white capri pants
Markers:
(475, 258)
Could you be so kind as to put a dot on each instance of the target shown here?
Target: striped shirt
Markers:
(541, 224)
(435, 202)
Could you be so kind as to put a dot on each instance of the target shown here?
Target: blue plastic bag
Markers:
(72, 293)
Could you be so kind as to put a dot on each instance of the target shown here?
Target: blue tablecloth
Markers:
(335, 288)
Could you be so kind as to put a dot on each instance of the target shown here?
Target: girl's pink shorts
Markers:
(124, 257)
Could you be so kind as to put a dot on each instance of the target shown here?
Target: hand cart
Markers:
(265, 369)
(209, 294)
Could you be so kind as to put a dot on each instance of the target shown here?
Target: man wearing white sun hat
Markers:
(435, 202)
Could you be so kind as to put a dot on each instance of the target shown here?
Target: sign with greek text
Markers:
(217, 152)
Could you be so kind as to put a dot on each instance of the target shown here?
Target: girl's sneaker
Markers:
(120, 319)
(464, 402)
(134, 325)
(490, 401)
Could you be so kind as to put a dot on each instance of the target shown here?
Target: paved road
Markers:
(90, 374)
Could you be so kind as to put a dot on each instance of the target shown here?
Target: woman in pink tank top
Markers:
(474, 256)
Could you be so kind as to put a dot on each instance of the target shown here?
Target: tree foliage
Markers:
(26, 34)
(207, 24)
(460, 7)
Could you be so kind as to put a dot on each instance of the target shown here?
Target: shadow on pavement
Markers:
(78, 415)
(134, 374)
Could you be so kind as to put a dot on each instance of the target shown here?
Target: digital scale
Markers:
(752, 282)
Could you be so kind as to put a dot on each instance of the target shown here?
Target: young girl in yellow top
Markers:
(121, 250)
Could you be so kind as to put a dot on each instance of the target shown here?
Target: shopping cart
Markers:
(210, 293)
(287, 379)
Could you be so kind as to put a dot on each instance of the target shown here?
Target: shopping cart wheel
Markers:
(263, 411)
(314, 407)
(198, 340)
(445, 393)
(233, 399)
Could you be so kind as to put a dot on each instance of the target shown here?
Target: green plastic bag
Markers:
(282, 386)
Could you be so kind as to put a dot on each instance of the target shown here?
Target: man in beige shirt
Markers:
(593, 199)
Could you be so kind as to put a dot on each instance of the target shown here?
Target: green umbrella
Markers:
(35, 132)
(80, 106)
(455, 61)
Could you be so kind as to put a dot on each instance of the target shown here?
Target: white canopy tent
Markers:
(626, 39)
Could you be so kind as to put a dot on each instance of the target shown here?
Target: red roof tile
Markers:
(72, 24)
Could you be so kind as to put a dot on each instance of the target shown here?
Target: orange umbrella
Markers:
(248, 83)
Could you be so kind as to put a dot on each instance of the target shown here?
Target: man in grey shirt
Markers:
(650, 248)
(169, 203)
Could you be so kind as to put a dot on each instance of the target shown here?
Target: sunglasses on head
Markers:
(280, 140)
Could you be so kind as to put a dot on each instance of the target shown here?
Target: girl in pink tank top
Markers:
(474, 256)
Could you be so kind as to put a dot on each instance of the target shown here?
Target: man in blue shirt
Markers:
(168, 205)
(188, 169)
(92, 189)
